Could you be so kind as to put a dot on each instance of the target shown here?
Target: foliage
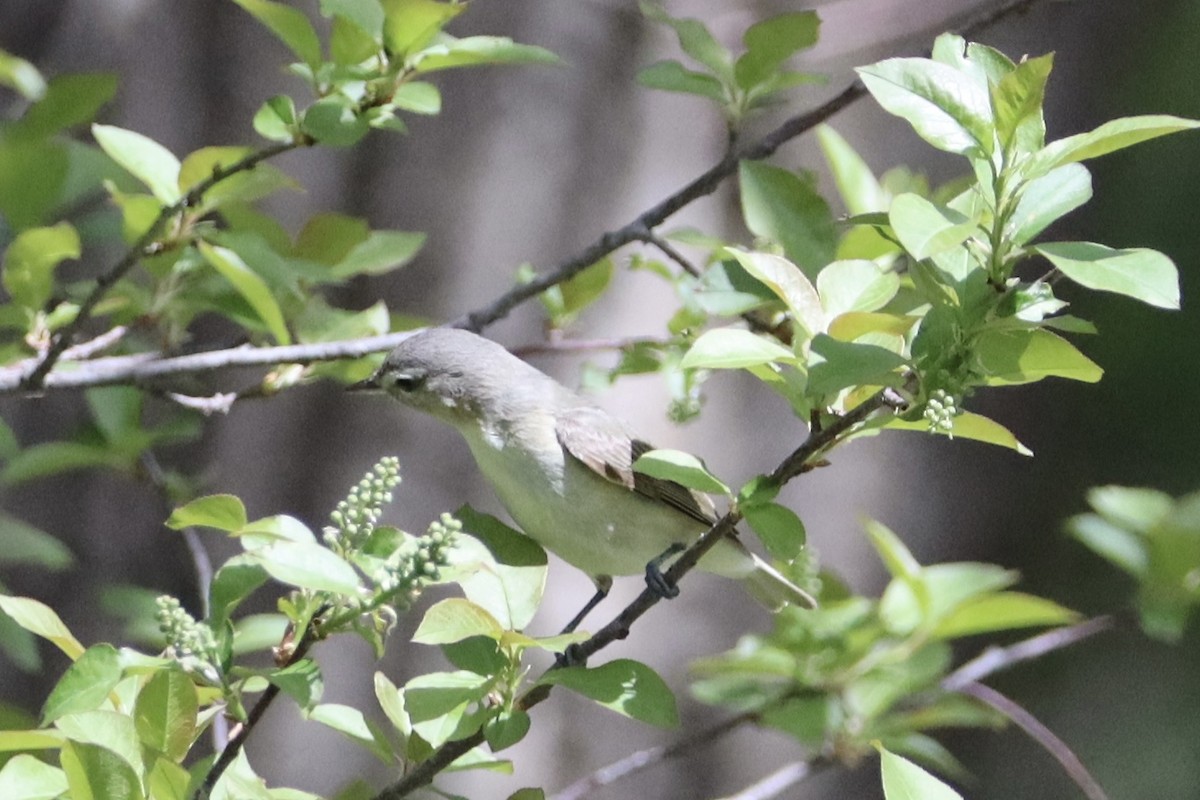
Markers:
(891, 318)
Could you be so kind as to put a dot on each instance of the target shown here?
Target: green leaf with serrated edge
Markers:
(409, 25)
(1019, 95)
(625, 686)
(40, 620)
(1113, 135)
(835, 365)
(694, 38)
(111, 730)
(86, 683)
(30, 260)
(733, 348)
(418, 97)
(968, 425)
(350, 722)
(70, 100)
(380, 252)
(772, 41)
(944, 106)
(276, 119)
(307, 566)
(1000, 612)
(478, 51)
(781, 206)
(926, 229)
(143, 158)
(506, 729)
(366, 14)
(1047, 199)
(22, 544)
(778, 528)
(1142, 274)
(97, 772)
(682, 468)
(671, 76)
(250, 286)
(24, 777)
(856, 183)
(221, 511)
(455, 619)
(290, 26)
(855, 285)
(788, 283)
(165, 713)
(1026, 356)
(904, 780)
(503, 570)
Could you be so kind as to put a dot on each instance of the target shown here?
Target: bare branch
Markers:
(1040, 734)
(994, 659)
(776, 783)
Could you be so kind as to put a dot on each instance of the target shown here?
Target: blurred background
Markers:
(529, 165)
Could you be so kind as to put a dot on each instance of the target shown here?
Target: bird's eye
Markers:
(407, 381)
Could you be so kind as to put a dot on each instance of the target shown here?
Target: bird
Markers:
(562, 467)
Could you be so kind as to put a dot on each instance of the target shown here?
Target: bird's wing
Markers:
(601, 443)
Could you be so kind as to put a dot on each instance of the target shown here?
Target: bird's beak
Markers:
(370, 384)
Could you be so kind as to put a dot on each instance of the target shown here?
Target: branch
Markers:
(1040, 734)
(145, 245)
(994, 659)
(816, 443)
(776, 783)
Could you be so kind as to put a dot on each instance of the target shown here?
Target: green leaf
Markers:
(788, 283)
(366, 14)
(892, 551)
(250, 286)
(86, 683)
(836, 365)
(290, 26)
(781, 206)
(51, 458)
(682, 468)
(329, 237)
(233, 582)
(1113, 135)
(771, 42)
(505, 570)
(1018, 96)
(1047, 199)
(1137, 509)
(945, 107)
(418, 97)
(70, 100)
(625, 686)
(671, 76)
(380, 252)
(21, 76)
(244, 186)
(733, 348)
(778, 528)
(239, 782)
(968, 425)
(409, 25)
(456, 619)
(112, 730)
(143, 158)
(255, 633)
(300, 681)
(39, 619)
(1027, 356)
(97, 773)
(29, 740)
(1002, 611)
(429, 696)
(276, 120)
(22, 544)
(858, 186)
(694, 38)
(24, 777)
(30, 260)
(165, 714)
(350, 722)
(478, 51)
(805, 718)
(855, 285)
(927, 229)
(334, 123)
(506, 729)
(221, 511)
(904, 780)
(1119, 546)
(308, 566)
(1142, 274)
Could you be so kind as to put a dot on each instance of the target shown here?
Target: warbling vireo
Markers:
(561, 466)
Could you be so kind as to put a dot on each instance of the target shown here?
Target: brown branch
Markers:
(994, 659)
(145, 245)
(1040, 734)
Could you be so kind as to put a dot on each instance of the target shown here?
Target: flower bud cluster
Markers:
(189, 642)
(355, 517)
(940, 411)
(419, 564)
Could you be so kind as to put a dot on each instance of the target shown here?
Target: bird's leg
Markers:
(603, 585)
(656, 580)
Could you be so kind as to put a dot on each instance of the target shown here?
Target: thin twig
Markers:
(1040, 734)
(566, 345)
(670, 251)
(994, 659)
(776, 783)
